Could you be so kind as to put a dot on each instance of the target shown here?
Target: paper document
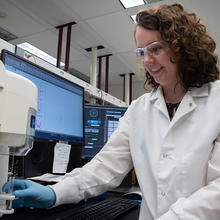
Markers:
(61, 157)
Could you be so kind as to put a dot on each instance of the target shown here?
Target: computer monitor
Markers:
(60, 115)
(100, 122)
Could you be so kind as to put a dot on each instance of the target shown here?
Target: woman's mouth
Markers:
(156, 70)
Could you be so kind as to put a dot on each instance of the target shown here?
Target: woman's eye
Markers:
(140, 53)
(156, 50)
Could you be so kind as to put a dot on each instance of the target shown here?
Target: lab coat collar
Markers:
(195, 92)
(157, 99)
(156, 94)
(200, 92)
(187, 104)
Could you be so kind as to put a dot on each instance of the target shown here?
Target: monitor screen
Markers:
(100, 122)
(60, 114)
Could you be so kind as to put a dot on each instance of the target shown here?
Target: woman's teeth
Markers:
(156, 69)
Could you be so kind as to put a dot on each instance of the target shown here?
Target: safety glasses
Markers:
(154, 49)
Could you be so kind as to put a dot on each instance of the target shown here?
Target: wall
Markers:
(208, 11)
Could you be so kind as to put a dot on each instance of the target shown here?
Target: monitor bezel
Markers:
(105, 106)
(41, 139)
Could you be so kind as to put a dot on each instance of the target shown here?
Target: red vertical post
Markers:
(100, 73)
(106, 73)
(59, 48)
(130, 88)
(68, 47)
(123, 76)
(124, 87)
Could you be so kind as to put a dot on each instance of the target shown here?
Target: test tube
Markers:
(10, 190)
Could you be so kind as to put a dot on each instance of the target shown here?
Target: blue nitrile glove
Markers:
(30, 194)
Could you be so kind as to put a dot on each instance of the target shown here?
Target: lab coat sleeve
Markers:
(105, 171)
(204, 203)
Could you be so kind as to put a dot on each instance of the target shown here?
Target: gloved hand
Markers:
(31, 194)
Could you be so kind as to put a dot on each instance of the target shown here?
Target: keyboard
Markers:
(108, 209)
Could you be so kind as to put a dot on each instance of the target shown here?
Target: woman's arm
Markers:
(105, 171)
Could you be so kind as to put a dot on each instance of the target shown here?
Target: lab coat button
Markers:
(164, 155)
(190, 104)
(162, 194)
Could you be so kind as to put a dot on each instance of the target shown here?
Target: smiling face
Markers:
(159, 66)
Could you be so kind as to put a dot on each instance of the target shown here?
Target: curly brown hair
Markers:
(192, 46)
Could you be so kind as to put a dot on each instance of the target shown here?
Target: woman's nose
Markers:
(148, 59)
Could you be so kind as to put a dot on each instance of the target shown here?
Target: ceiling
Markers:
(98, 22)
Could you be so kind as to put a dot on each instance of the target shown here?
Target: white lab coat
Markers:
(177, 162)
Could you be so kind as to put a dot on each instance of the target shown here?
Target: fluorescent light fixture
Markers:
(131, 3)
(5, 35)
(30, 48)
(133, 17)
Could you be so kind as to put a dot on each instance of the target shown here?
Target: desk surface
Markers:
(26, 213)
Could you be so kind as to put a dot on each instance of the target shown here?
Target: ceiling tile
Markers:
(53, 12)
(93, 8)
(17, 22)
(116, 29)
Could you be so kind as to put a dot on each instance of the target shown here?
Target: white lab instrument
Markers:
(18, 100)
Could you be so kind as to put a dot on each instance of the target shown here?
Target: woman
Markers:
(170, 136)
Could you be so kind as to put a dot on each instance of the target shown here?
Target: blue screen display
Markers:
(60, 102)
(100, 123)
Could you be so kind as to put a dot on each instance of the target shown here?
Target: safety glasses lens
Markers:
(140, 52)
(154, 49)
